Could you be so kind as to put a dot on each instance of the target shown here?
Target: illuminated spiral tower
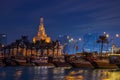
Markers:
(41, 35)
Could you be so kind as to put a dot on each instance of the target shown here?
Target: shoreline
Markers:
(51, 65)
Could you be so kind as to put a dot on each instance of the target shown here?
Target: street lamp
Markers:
(113, 45)
(77, 43)
(111, 40)
(117, 35)
(104, 33)
(107, 35)
(79, 39)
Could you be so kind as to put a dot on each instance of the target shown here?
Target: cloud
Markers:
(8, 6)
(61, 16)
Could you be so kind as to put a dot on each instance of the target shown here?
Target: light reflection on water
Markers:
(44, 73)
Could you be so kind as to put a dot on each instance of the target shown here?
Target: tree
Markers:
(25, 43)
(53, 44)
(48, 47)
(17, 42)
(42, 46)
(8, 47)
(37, 46)
(13, 45)
(102, 39)
(57, 46)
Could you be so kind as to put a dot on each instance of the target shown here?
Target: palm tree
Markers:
(3, 49)
(53, 44)
(42, 46)
(31, 47)
(47, 46)
(17, 42)
(25, 43)
(8, 47)
(57, 46)
(37, 46)
(102, 39)
(12, 47)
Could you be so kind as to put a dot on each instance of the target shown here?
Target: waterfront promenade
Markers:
(64, 61)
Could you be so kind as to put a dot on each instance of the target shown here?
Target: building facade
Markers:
(3, 40)
(41, 34)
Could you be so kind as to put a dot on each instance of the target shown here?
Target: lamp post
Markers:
(113, 45)
(64, 47)
(73, 41)
(76, 44)
(79, 40)
(107, 35)
(112, 41)
(117, 35)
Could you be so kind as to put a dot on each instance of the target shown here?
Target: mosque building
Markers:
(41, 35)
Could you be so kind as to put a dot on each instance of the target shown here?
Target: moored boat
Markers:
(80, 62)
(43, 61)
(60, 62)
(21, 62)
(105, 64)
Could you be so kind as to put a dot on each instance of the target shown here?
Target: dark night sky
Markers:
(71, 17)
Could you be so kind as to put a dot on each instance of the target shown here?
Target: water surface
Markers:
(44, 73)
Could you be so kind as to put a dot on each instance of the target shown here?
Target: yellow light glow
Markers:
(34, 40)
(80, 77)
(41, 33)
(41, 28)
(113, 54)
(105, 79)
(48, 40)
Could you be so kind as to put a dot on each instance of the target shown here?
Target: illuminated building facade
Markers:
(65, 41)
(3, 40)
(43, 46)
(41, 35)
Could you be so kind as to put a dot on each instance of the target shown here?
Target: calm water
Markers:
(43, 73)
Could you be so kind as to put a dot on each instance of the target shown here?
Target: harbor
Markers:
(60, 73)
(70, 61)
(60, 40)
(45, 52)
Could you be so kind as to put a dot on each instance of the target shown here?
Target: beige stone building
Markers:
(41, 34)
